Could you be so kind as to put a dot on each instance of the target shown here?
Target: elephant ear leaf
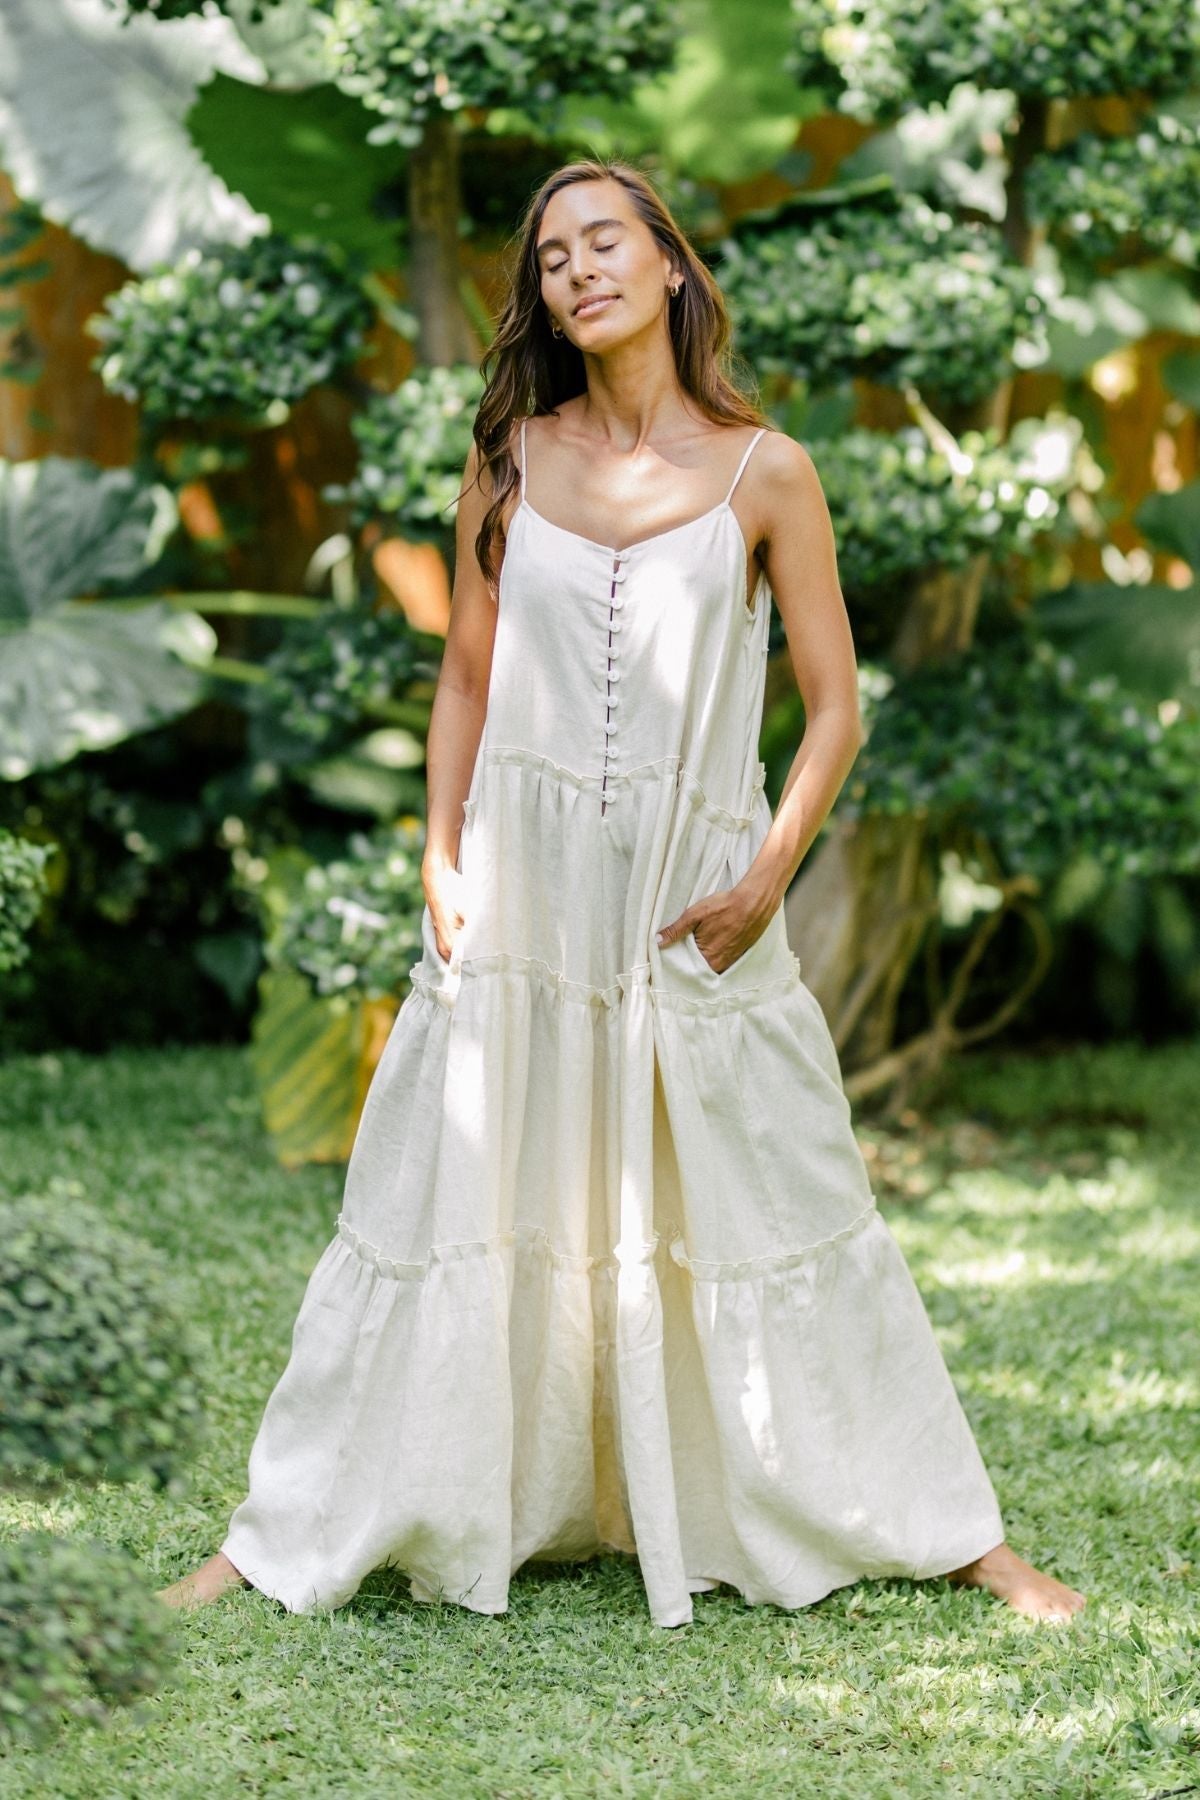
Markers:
(93, 125)
(68, 528)
(79, 674)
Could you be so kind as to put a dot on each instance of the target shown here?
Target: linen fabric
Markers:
(609, 1273)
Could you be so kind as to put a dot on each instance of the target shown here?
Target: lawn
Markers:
(1049, 1211)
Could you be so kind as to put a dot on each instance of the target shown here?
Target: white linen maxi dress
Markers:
(609, 1273)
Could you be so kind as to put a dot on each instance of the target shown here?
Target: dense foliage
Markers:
(22, 888)
(413, 445)
(76, 673)
(80, 1633)
(329, 677)
(892, 289)
(355, 927)
(1007, 743)
(899, 507)
(99, 1361)
(234, 329)
(874, 57)
(1109, 195)
(409, 60)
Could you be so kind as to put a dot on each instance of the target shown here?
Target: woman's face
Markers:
(592, 243)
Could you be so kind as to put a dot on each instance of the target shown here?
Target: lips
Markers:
(594, 303)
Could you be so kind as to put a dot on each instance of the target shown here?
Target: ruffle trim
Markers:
(668, 1243)
(687, 784)
(500, 962)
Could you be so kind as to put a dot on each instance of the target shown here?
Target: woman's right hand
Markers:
(446, 895)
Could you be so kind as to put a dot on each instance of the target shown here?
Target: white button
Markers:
(610, 729)
(614, 700)
(614, 624)
(614, 675)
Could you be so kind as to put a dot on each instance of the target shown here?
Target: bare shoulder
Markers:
(786, 483)
(784, 465)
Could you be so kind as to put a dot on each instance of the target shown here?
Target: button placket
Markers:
(616, 601)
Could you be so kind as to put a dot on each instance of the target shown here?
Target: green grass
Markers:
(1048, 1208)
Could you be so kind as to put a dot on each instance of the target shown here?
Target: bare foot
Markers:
(1019, 1584)
(203, 1584)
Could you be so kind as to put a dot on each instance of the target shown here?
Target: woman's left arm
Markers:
(793, 528)
(800, 559)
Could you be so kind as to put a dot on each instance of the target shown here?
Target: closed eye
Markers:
(554, 268)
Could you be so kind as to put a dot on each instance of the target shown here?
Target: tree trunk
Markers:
(856, 919)
(445, 335)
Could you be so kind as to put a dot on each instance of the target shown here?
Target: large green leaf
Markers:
(92, 110)
(286, 38)
(68, 526)
(81, 675)
(1181, 376)
(1173, 522)
(304, 160)
(1147, 636)
(85, 675)
(306, 1053)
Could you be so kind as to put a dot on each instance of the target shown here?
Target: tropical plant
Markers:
(411, 61)
(902, 505)
(1108, 196)
(80, 674)
(870, 57)
(341, 937)
(332, 677)
(881, 285)
(126, 177)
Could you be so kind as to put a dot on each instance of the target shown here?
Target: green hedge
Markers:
(80, 1633)
(99, 1361)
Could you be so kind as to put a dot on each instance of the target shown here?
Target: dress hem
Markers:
(427, 1592)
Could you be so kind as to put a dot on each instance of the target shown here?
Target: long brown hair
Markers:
(534, 370)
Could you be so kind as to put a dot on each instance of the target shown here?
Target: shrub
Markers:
(355, 927)
(413, 443)
(22, 887)
(234, 329)
(79, 1633)
(888, 288)
(97, 1355)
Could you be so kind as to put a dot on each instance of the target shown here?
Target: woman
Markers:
(609, 1274)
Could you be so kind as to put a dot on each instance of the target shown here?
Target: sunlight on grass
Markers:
(1060, 1262)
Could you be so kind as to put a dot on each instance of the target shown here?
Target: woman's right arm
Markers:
(459, 707)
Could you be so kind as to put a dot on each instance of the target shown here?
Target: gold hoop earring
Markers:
(675, 290)
(555, 330)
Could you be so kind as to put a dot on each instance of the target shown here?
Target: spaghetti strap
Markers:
(744, 461)
(523, 423)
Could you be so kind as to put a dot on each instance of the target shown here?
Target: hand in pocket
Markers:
(445, 890)
(724, 926)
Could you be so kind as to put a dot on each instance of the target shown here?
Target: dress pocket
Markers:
(769, 955)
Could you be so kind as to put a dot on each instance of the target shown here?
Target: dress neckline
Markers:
(639, 543)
